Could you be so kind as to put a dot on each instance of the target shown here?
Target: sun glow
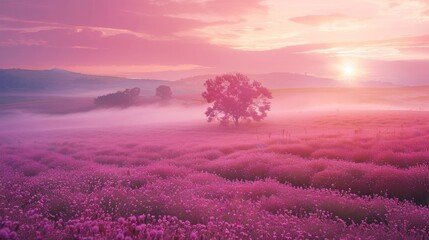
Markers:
(349, 71)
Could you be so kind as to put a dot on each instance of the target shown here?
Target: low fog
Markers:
(31, 115)
(102, 118)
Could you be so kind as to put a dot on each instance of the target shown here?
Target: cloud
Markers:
(91, 49)
(215, 35)
(315, 20)
(411, 9)
(395, 48)
(140, 16)
(330, 22)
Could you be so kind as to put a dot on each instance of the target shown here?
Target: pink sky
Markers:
(384, 40)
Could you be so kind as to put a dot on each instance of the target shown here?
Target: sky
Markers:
(371, 40)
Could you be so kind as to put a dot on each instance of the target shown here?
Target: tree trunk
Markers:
(236, 121)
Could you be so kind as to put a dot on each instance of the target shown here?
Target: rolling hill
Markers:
(59, 81)
(284, 80)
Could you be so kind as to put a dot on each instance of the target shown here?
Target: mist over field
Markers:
(214, 120)
(326, 162)
(44, 112)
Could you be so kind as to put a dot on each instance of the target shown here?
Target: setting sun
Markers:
(214, 119)
(349, 71)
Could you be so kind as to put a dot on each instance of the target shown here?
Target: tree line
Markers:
(233, 98)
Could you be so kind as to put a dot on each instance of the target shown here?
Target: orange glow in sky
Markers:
(348, 70)
(188, 37)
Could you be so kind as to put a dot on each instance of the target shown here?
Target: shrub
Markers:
(118, 99)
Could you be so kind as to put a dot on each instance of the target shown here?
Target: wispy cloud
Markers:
(319, 19)
(386, 49)
(222, 35)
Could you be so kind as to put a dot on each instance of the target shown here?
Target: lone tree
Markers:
(164, 92)
(235, 97)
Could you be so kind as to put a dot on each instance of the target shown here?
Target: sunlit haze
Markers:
(348, 71)
(175, 39)
(214, 119)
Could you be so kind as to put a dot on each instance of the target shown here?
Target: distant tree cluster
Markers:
(118, 99)
(164, 92)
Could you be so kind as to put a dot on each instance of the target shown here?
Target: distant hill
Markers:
(62, 81)
(58, 81)
(281, 80)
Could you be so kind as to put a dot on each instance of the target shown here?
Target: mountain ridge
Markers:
(59, 80)
(56, 80)
(280, 80)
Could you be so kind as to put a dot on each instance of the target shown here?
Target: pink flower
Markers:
(153, 233)
(119, 236)
(194, 235)
(95, 230)
(132, 219)
(4, 233)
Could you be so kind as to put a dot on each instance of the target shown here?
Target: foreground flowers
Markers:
(150, 185)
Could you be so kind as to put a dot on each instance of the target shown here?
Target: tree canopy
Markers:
(118, 99)
(164, 92)
(235, 97)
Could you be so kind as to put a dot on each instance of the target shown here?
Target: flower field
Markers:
(329, 175)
